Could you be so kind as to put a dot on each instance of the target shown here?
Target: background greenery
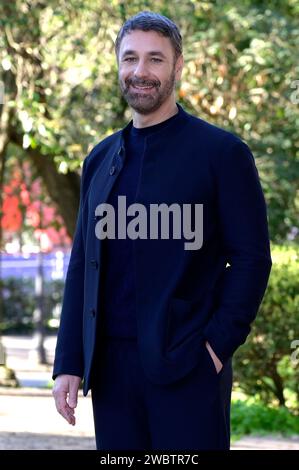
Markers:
(19, 302)
(264, 365)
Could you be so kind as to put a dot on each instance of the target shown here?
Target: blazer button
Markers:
(92, 312)
(94, 263)
(112, 170)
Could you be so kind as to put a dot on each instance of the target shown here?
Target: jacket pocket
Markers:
(183, 320)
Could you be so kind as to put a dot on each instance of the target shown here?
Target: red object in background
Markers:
(12, 217)
(21, 202)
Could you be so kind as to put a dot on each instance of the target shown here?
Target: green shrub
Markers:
(19, 303)
(263, 364)
(249, 417)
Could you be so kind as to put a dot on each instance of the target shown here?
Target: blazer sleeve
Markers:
(69, 347)
(243, 230)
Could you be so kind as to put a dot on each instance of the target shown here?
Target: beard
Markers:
(149, 101)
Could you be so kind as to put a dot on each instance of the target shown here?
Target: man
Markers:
(150, 322)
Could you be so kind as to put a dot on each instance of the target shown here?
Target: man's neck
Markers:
(166, 111)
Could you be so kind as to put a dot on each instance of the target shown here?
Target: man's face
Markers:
(147, 71)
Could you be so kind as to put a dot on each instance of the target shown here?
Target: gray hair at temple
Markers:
(150, 21)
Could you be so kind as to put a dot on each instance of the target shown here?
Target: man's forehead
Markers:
(145, 42)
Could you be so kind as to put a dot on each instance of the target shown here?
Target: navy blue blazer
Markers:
(183, 297)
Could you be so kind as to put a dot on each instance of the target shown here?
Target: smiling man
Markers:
(149, 67)
(150, 326)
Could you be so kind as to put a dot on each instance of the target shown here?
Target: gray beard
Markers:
(148, 103)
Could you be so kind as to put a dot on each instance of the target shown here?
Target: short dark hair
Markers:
(150, 21)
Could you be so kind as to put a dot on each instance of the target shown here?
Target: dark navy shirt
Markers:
(118, 309)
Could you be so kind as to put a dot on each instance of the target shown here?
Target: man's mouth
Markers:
(143, 87)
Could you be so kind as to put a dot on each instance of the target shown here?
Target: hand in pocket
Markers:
(217, 363)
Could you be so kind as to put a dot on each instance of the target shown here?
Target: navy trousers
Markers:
(132, 413)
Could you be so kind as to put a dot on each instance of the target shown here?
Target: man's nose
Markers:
(141, 69)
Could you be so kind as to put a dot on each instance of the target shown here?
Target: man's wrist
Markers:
(218, 364)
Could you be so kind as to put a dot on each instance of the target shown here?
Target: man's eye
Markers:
(156, 60)
(129, 59)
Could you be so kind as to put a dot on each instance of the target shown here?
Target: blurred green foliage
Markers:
(266, 364)
(19, 304)
(253, 417)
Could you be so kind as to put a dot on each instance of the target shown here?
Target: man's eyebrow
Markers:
(159, 53)
(151, 53)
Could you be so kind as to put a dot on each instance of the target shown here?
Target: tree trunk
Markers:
(278, 382)
(63, 189)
